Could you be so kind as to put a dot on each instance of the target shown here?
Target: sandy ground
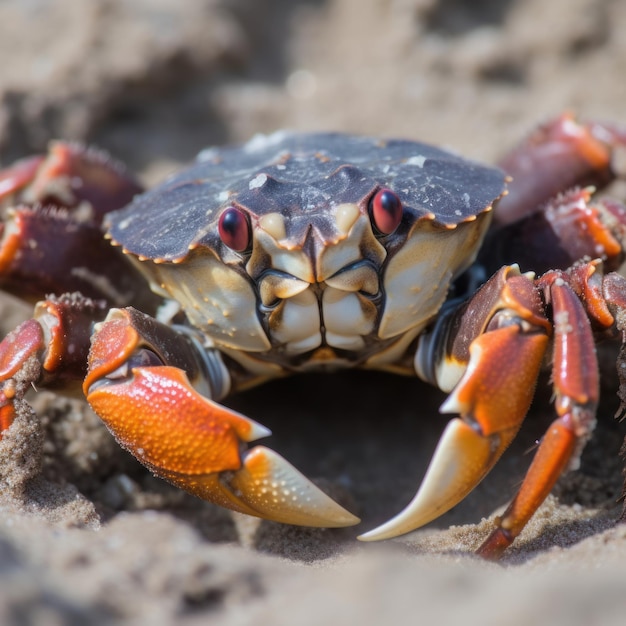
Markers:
(86, 535)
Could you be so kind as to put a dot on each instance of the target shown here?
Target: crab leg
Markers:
(550, 218)
(51, 238)
(140, 383)
(50, 350)
(576, 385)
(498, 353)
(571, 226)
(561, 154)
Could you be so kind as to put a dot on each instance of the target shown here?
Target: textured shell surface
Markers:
(303, 176)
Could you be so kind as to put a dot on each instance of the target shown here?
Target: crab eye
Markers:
(385, 211)
(234, 229)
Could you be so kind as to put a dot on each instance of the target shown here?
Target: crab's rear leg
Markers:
(551, 218)
(51, 237)
(489, 354)
(151, 385)
(561, 154)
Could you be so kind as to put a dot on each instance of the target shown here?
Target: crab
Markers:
(300, 252)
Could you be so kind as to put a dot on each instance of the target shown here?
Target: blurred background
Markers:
(154, 81)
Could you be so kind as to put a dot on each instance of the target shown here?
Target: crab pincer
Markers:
(138, 383)
(499, 351)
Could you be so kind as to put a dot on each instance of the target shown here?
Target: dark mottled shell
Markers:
(305, 175)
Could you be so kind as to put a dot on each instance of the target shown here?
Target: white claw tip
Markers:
(258, 431)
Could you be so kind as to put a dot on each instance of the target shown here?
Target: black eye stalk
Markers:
(234, 229)
(385, 211)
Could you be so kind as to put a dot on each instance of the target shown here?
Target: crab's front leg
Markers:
(151, 386)
(494, 348)
(582, 299)
(488, 353)
(576, 390)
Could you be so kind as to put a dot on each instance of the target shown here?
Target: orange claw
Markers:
(500, 347)
(170, 428)
(194, 442)
(493, 398)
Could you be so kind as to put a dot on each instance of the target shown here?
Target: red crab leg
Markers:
(51, 234)
(16, 350)
(576, 386)
(570, 227)
(50, 349)
(17, 176)
(559, 155)
(139, 384)
(499, 348)
(70, 176)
